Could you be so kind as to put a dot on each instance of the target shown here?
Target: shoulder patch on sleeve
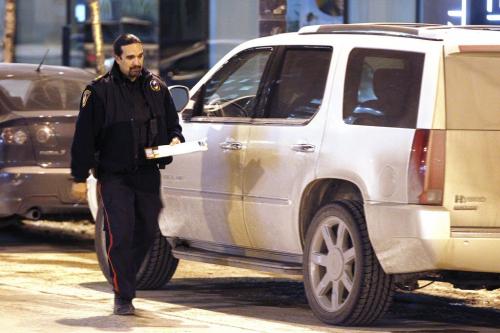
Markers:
(85, 97)
(155, 85)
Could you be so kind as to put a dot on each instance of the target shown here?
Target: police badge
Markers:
(155, 85)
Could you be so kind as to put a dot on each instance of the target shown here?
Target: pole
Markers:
(10, 31)
(95, 18)
(66, 36)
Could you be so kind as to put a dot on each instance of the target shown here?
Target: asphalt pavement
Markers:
(50, 282)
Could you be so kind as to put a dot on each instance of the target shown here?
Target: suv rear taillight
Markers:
(426, 168)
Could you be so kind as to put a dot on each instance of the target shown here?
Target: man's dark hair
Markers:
(124, 39)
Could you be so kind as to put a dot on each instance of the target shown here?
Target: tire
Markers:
(346, 268)
(158, 266)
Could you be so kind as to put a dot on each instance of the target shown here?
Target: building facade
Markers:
(184, 38)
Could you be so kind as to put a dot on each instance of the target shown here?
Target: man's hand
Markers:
(175, 141)
(79, 192)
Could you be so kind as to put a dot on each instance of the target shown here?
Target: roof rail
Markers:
(469, 27)
(408, 28)
(395, 29)
(434, 32)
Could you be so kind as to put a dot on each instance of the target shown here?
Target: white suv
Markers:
(364, 157)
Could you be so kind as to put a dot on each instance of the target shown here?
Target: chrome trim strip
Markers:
(251, 121)
(198, 194)
(36, 170)
(282, 121)
(222, 120)
(464, 232)
(272, 201)
(225, 196)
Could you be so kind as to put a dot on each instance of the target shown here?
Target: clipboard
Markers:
(178, 149)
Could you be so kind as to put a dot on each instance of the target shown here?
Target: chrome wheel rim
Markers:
(332, 259)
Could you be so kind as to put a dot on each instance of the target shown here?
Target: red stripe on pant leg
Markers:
(106, 218)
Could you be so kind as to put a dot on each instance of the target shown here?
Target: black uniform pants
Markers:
(132, 204)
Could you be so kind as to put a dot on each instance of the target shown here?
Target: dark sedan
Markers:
(38, 110)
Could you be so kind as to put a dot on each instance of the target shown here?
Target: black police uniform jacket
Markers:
(104, 137)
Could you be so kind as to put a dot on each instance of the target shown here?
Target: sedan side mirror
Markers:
(180, 96)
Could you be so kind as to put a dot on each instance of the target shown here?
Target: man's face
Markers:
(131, 60)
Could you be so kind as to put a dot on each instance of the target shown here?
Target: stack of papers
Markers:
(178, 149)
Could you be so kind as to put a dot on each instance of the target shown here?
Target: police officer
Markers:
(121, 113)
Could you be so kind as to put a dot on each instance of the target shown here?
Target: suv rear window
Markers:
(472, 97)
(382, 88)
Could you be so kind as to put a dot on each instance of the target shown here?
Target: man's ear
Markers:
(118, 59)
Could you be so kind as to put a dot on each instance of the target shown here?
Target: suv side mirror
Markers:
(180, 96)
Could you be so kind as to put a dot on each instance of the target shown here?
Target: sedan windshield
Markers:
(41, 93)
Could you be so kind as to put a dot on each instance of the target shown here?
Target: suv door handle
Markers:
(231, 145)
(304, 147)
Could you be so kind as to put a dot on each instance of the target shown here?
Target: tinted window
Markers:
(41, 94)
(382, 88)
(298, 91)
(231, 92)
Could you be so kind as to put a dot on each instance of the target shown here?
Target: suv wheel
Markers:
(344, 282)
(157, 268)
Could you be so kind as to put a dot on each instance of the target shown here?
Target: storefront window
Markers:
(441, 12)
(183, 41)
(382, 10)
(39, 28)
(138, 17)
(195, 34)
(311, 12)
(460, 12)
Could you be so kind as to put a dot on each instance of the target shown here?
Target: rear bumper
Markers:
(413, 238)
(23, 188)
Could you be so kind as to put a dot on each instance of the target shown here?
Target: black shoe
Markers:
(123, 307)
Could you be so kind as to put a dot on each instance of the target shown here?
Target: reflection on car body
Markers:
(38, 110)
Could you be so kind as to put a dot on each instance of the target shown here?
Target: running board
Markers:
(187, 253)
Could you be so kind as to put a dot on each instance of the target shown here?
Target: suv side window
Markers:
(382, 88)
(231, 92)
(297, 91)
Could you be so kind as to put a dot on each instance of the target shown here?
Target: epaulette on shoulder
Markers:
(159, 79)
(99, 78)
